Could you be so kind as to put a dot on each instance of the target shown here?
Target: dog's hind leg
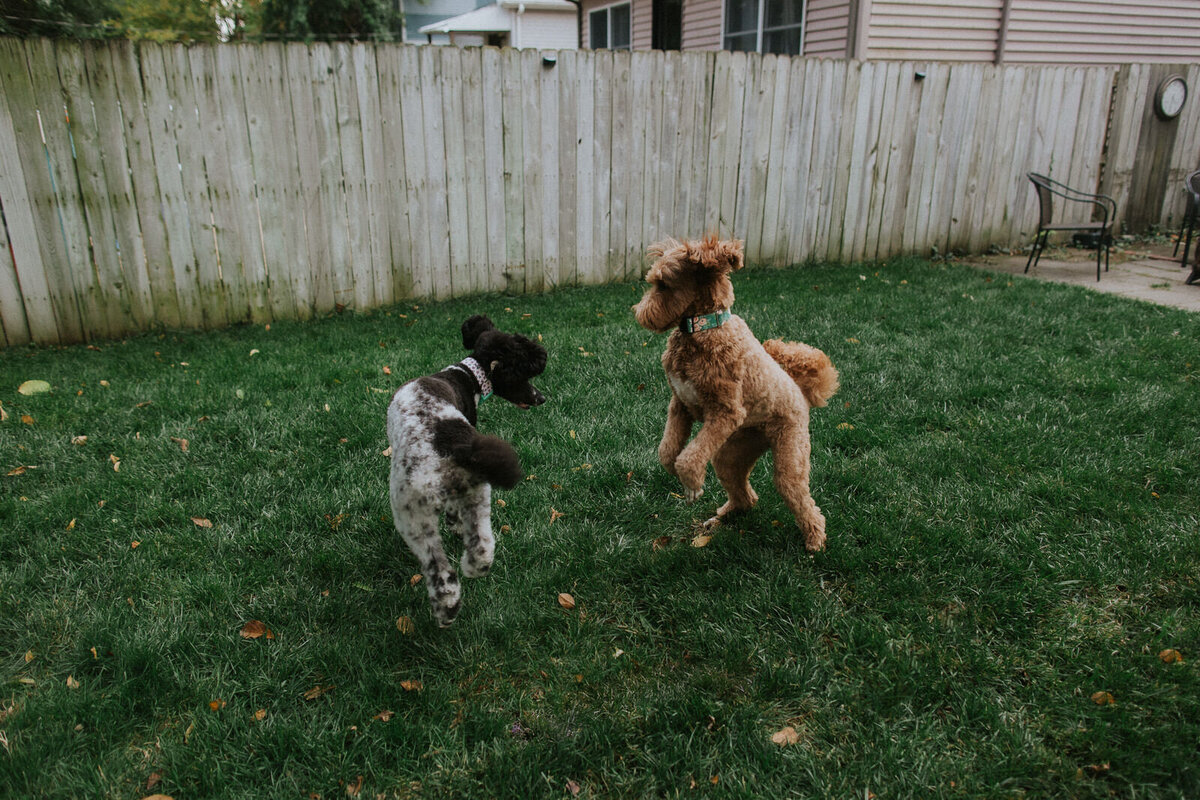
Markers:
(792, 448)
(471, 518)
(417, 523)
(732, 464)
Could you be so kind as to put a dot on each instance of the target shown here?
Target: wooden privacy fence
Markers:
(147, 185)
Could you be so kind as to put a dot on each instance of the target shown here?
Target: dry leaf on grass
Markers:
(1103, 698)
(1171, 656)
(405, 626)
(12, 473)
(555, 515)
(354, 787)
(79, 440)
(385, 715)
(566, 601)
(33, 387)
(201, 522)
(216, 705)
(3, 413)
(254, 629)
(387, 370)
(785, 736)
(116, 462)
(260, 715)
(415, 579)
(411, 686)
(701, 540)
(72, 683)
(574, 788)
(317, 691)
(71, 524)
(158, 797)
(154, 779)
(387, 453)
(183, 443)
(29, 656)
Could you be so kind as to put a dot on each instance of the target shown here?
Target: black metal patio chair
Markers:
(1191, 185)
(1100, 232)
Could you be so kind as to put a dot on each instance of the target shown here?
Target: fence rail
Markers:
(147, 185)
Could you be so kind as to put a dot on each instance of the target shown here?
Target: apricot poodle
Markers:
(749, 397)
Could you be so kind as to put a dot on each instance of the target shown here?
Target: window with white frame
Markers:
(765, 26)
(610, 27)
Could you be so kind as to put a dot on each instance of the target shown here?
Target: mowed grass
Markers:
(1011, 477)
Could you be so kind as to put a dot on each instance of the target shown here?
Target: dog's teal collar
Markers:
(472, 368)
(703, 322)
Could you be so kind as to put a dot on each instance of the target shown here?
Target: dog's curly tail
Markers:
(489, 457)
(811, 369)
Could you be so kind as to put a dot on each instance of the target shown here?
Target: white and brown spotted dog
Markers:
(748, 396)
(442, 465)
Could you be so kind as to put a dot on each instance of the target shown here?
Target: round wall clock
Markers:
(1171, 95)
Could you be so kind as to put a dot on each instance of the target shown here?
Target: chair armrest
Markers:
(1102, 201)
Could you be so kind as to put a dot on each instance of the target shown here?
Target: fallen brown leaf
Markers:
(387, 370)
(28, 420)
(71, 524)
(12, 473)
(317, 691)
(405, 626)
(354, 787)
(701, 540)
(201, 522)
(566, 601)
(29, 656)
(134, 544)
(1171, 656)
(660, 543)
(387, 453)
(1103, 698)
(574, 788)
(153, 780)
(216, 705)
(116, 462)
(554, 515)
(385, 716)
(72, 683)
(415, 579)
(785, 736)
(254, 629)
(79, 440)
(260, 715)
(158, 797)
(183, 443)
(411, 686)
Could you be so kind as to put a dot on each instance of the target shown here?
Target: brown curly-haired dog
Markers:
(749, 396)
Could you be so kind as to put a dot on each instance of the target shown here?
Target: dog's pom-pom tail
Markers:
(473, 328)
(496, 461)
(489, 457)
(810, 368)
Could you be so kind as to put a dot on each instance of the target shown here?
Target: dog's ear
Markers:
(473, 328)
(669, 256)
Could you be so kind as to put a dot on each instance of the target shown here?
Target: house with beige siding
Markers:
(990, 31)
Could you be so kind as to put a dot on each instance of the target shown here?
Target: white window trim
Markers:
(758, 39)
(608, 17)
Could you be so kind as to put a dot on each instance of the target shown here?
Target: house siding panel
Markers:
(950, 30)
(827, 28)
(550, 30)
(702, 24)
(1103, 31)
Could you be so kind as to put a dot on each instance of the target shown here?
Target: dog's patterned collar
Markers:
(471, 367)
(703, 322)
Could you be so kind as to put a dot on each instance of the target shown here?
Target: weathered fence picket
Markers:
(161, 185)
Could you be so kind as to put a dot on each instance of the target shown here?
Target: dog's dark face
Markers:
(687, 278)
(509, 359)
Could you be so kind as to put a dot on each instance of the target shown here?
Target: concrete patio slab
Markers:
(1144, 272)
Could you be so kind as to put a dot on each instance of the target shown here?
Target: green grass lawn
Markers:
(1011, 478)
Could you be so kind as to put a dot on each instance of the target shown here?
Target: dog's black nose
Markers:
(538, 397)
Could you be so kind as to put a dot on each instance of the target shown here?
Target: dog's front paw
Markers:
(445, 597)
(692, 478)
(814, 532)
